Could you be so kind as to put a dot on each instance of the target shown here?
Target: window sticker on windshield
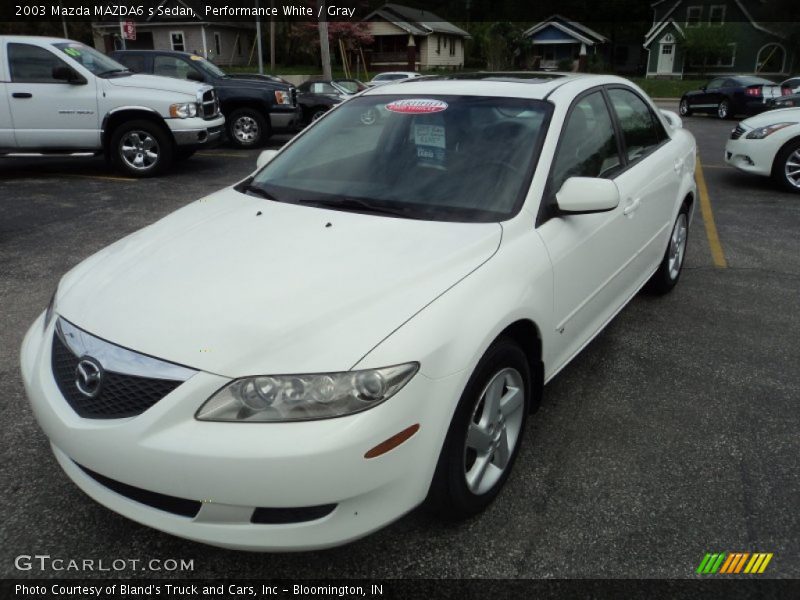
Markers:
(72, 52)
(416, 106)
(195, 57)
(431, 145)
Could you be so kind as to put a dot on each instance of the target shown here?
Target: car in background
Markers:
(793, 83)
(255, 107)
(61, 97)
(727, 97)
(391, 76)
(789, 101)
(374, 311)
(315, 98)
(768, 145)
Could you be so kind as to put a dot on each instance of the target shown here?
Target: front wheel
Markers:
(669, 271)
(141, 148)
(786, 169)
(247, 128)
(683, 108)
(724, 110)
(484, 436)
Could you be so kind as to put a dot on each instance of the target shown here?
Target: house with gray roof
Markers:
(412, 39)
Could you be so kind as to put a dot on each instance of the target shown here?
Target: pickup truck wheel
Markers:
(247, 128)
(141, 148)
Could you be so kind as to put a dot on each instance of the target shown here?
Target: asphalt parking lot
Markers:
(675, 433)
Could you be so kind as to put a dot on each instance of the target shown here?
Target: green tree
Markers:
(706, 46)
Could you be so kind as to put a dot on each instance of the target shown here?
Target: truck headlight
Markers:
(183, 110)
(280, 398)
(762, 132)
(282, 97)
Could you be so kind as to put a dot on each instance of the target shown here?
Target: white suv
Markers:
(58, 96)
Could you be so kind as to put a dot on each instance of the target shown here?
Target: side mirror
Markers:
(673, 119)
(195, 76)
(64, 73)
(265, 157)
(581, 195)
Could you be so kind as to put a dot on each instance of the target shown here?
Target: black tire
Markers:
(784, 163)
(247, 128)
(182, 154)
(684, 109)
(141, 148)
(450, 496)
(666, 277)
(724, 110)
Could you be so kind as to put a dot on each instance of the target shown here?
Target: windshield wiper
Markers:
(254, 190)
(358, 205)
(112, 72)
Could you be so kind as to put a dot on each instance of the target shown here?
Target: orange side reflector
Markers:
(393, 442)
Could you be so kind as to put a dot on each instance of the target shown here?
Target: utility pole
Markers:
(63, 19)
(258, 40)
(324, 47)
(272, 39)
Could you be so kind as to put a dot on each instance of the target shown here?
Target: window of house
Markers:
(32, 64)
(716, 15)
(453, 47)
(217, 43)
(438, 44)
(726, 58)
(694, 16)
(176, 39)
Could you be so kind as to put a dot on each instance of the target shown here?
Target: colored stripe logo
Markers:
(734, 563)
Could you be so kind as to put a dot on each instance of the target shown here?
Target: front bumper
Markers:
(233, 468)
(289, 120)
(750, 156)
(196, 131)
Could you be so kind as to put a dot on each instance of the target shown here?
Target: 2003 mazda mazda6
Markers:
(366, 322)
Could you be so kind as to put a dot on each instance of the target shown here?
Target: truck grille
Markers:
(209, 105)
(737, 132)
(294, 96)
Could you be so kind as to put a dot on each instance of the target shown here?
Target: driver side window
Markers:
(31, 64)
(171, 66)
(588, 146)
(714, 84)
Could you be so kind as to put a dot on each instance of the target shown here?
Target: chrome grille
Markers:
(209, 104)
(119, 394)
(737, 132)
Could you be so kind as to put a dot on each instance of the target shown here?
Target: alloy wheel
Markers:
(683, 108)
(722, 110)
(245, 129)
(792, 168)
(139, 150)
(677, 246)
(494, 430)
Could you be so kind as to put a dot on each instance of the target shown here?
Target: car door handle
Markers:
(631, 207)
(22, 95)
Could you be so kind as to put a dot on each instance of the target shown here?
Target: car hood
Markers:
(236, 285)
(250, 84)
(157, 82)
(771, 117)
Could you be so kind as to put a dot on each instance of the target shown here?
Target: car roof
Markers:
(36, 39)
(167, 52)
(520, 84)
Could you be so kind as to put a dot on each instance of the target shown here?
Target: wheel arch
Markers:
(118, 116)
(792, 140)
(528, 336)
(228, 106)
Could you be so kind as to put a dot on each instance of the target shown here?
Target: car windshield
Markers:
(97, 62)
(444, 158)
(208, 66)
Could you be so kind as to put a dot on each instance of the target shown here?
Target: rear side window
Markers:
(31, 64)
(640, 129)
(588, 146)
(135, 62)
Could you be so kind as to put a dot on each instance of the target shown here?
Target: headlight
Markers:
(305, 397)
(48, 314)
(762, 132)
(282, 97)
(183, 110)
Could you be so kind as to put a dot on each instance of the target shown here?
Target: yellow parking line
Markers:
(708, 219)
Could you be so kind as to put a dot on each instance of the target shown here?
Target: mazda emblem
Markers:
(88, 377)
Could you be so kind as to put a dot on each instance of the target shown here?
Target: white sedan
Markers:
(392, 77)
(365, 323)
(768, 145)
